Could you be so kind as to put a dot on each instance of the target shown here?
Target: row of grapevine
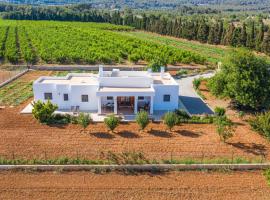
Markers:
(11, 47)
(27, 50)
(3, 37)
(85, 43)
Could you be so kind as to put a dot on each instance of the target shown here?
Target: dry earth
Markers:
(174, 185)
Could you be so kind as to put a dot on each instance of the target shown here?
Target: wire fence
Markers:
(197, 155)
(6, 75)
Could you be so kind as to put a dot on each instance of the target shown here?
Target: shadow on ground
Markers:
(128, 134)
(159, 133)
(255, 149)
(103, 135)
(187, 133)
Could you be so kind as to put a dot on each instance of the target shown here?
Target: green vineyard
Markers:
(39, 42)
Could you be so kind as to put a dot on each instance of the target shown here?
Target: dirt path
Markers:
(174, 185)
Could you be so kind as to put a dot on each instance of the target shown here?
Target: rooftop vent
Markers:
(115, 72)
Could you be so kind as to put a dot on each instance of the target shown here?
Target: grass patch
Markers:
(15, 93)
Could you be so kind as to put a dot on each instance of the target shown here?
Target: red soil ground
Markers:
(173, 185)
(23, 137)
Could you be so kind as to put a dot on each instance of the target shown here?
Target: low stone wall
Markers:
(138, 168)
(13, 78)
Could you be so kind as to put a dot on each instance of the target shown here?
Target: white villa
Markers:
(118, 92)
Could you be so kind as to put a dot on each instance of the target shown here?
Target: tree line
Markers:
(252, 33)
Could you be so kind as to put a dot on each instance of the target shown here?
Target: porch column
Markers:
(152, 106)
(99, 105)
(135, 105)
(115, 105)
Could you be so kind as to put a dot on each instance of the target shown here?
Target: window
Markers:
(109, 98)
(84, 98)
(167, 98)
(140, 98)
(48, 96)
(65, 97)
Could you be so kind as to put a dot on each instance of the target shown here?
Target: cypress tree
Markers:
(260, 36)
(243, 37)
(228, 36)
(266, 43)
(251, 37)
(202, 33)
(211, 37)
(236, 39)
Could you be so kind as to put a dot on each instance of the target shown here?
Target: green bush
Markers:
(142, 119)
(219, 111)
(111, 122)
(43, 111)
(84, 120)
(244, 78)
(182, 72)
(197, 83)
(224, 127)
(182, 114)
(170, 119)
(61, 119)
(261, 123)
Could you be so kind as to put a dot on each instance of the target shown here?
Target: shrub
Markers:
(182, 114)
(60, 119)
(219, 111)
(111, 122)
(261, 123)
(142, 119)
(224, 127)
(84, 120)
(43, 111)
(170, 119)
(182, 72)
(241, 114)
(197, 83)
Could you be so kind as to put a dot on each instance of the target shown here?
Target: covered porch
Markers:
(125, 101)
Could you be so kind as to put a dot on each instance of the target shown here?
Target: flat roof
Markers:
(71, 80)
(121, 89)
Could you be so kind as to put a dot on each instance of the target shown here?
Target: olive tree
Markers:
(142, 119)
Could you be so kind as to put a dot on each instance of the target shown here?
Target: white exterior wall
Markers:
(75, 91)
(74, 95)
(160, 91)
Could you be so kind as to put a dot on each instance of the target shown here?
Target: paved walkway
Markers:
(189, 97)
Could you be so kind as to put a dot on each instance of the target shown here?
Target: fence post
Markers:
(45, 155)
(232, 156)
(13, 155)
(171, 157)
(202, 159)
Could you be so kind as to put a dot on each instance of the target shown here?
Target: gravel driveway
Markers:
(190, 99)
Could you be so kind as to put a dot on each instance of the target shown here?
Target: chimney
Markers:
(100, 70)
(162, 71)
